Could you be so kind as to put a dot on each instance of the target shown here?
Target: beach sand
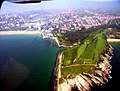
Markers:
(19, 32)
(113, 40)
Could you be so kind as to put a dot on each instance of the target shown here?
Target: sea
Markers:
(114, 83)
(27, 63)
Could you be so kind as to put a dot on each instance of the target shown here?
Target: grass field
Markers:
(87, 53)
(73, 71)
(69, 55)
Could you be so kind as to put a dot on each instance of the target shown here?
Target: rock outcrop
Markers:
(84, 81)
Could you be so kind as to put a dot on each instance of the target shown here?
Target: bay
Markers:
(26, 62)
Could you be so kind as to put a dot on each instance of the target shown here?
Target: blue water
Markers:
(26, 62)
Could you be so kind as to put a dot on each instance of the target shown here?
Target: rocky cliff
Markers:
(84, 81)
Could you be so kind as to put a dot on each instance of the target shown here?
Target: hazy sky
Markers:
(12, 7)
(103, 0)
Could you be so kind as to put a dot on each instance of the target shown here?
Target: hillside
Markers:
(85, 64)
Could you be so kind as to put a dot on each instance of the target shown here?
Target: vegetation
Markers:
(83, 57)
(115, 26)
(71, 37)
(75, 70)
(88, 52)
(69, 55)
(81, 50)
(115, 23)
(85, 14)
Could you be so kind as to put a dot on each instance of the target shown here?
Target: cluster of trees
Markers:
(77, 36)
(115, 23)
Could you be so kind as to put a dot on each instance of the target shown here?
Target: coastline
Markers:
(109, 40)
(101, 75)
(113, 40)
(32, 49)
(19, 32)
(57, 71)
(57, 41)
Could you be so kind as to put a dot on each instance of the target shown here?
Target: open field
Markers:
(88, 52)
(86, 55)
(75, 70)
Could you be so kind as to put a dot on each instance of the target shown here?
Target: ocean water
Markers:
(112, 84)
(26, 62)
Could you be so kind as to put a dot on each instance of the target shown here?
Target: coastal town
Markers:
(48, 23)
(91, 56)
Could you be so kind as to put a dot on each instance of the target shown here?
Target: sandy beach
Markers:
(19, 32)
(113, 40)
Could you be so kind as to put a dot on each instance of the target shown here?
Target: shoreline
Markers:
(57, 41)
(57, 71)
(19, 32)
(108, 40)
(113, 40)
(103, 70)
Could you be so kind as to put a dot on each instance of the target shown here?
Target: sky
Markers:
(8, 7)
(103, 0)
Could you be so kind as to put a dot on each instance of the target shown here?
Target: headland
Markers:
(84, 65)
